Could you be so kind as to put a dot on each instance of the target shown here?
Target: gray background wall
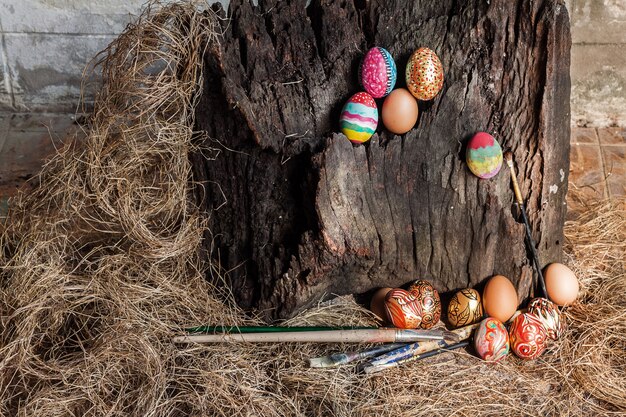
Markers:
(45, 45)
(598, 62)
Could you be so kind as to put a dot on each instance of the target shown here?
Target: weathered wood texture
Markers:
(296, 211)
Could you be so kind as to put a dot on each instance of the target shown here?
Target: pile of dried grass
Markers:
(100, 263)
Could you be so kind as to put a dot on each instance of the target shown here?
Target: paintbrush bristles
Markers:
(451, 336)
(508, 156)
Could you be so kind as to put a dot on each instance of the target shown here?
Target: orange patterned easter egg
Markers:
(424, 74)
(403, 309)
(528, 336)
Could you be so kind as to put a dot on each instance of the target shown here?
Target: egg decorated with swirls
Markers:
(491, 340)
(403, 309)
(359, 118)
(528, 336)
(424, 74)
(429, 302)
(550, 317)
(483, 155)
(465, 308)
(377, 72)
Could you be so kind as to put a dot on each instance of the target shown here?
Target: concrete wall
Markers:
(598, 62)
(45, 45)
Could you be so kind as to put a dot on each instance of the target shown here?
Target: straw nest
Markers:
(100, 263)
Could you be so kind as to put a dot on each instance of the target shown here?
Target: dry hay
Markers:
(100, 266)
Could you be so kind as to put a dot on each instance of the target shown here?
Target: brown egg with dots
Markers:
(377, 304)
(561, 284)
(400, 111)
(500, 298)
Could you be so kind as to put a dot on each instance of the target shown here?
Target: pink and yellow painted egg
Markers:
(549, 315)
(484, 155)
(378, 72)
(491, 340)
(429, 302)
(424, 74)
(528, 336)
(359, 118)
(403, 309)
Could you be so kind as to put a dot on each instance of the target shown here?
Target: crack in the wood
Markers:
(269, 25)
(369, 173)
(367, 26)
(314, 12)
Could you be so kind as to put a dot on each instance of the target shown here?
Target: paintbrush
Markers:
(508, 156)
(324, 336)
(344, 358)
(269, 329)
(415, 349)
(372, 369)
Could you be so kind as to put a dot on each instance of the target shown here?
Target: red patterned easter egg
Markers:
(428, 299)
(378, 72)
(491, 340)
(403, 309)
(424, 74)
(528, 336)
(549, 315)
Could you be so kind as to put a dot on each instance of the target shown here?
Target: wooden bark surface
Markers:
(296, 211)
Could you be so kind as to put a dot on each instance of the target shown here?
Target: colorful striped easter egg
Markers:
(484, 155)
(359, 118)
(378, 72)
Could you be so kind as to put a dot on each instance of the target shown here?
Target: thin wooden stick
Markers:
(520, 203)
(324, 336)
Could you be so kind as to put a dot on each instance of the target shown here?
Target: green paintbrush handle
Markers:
(267, 329)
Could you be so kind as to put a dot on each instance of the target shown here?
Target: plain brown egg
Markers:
(500, 298)
(399, 111)
(561, 284)
(377, 305)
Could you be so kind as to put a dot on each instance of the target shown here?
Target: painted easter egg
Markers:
(528, 336)
(429, 303)
(465, 308)
(484, 155)
(491, 340)
(359, 118)
(403, 309)
(378, 72)
(424, 74)
(549, 315)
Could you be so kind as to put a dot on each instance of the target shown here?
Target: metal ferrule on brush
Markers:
(412, 335)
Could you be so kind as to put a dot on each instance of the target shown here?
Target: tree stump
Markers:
(296, 211)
